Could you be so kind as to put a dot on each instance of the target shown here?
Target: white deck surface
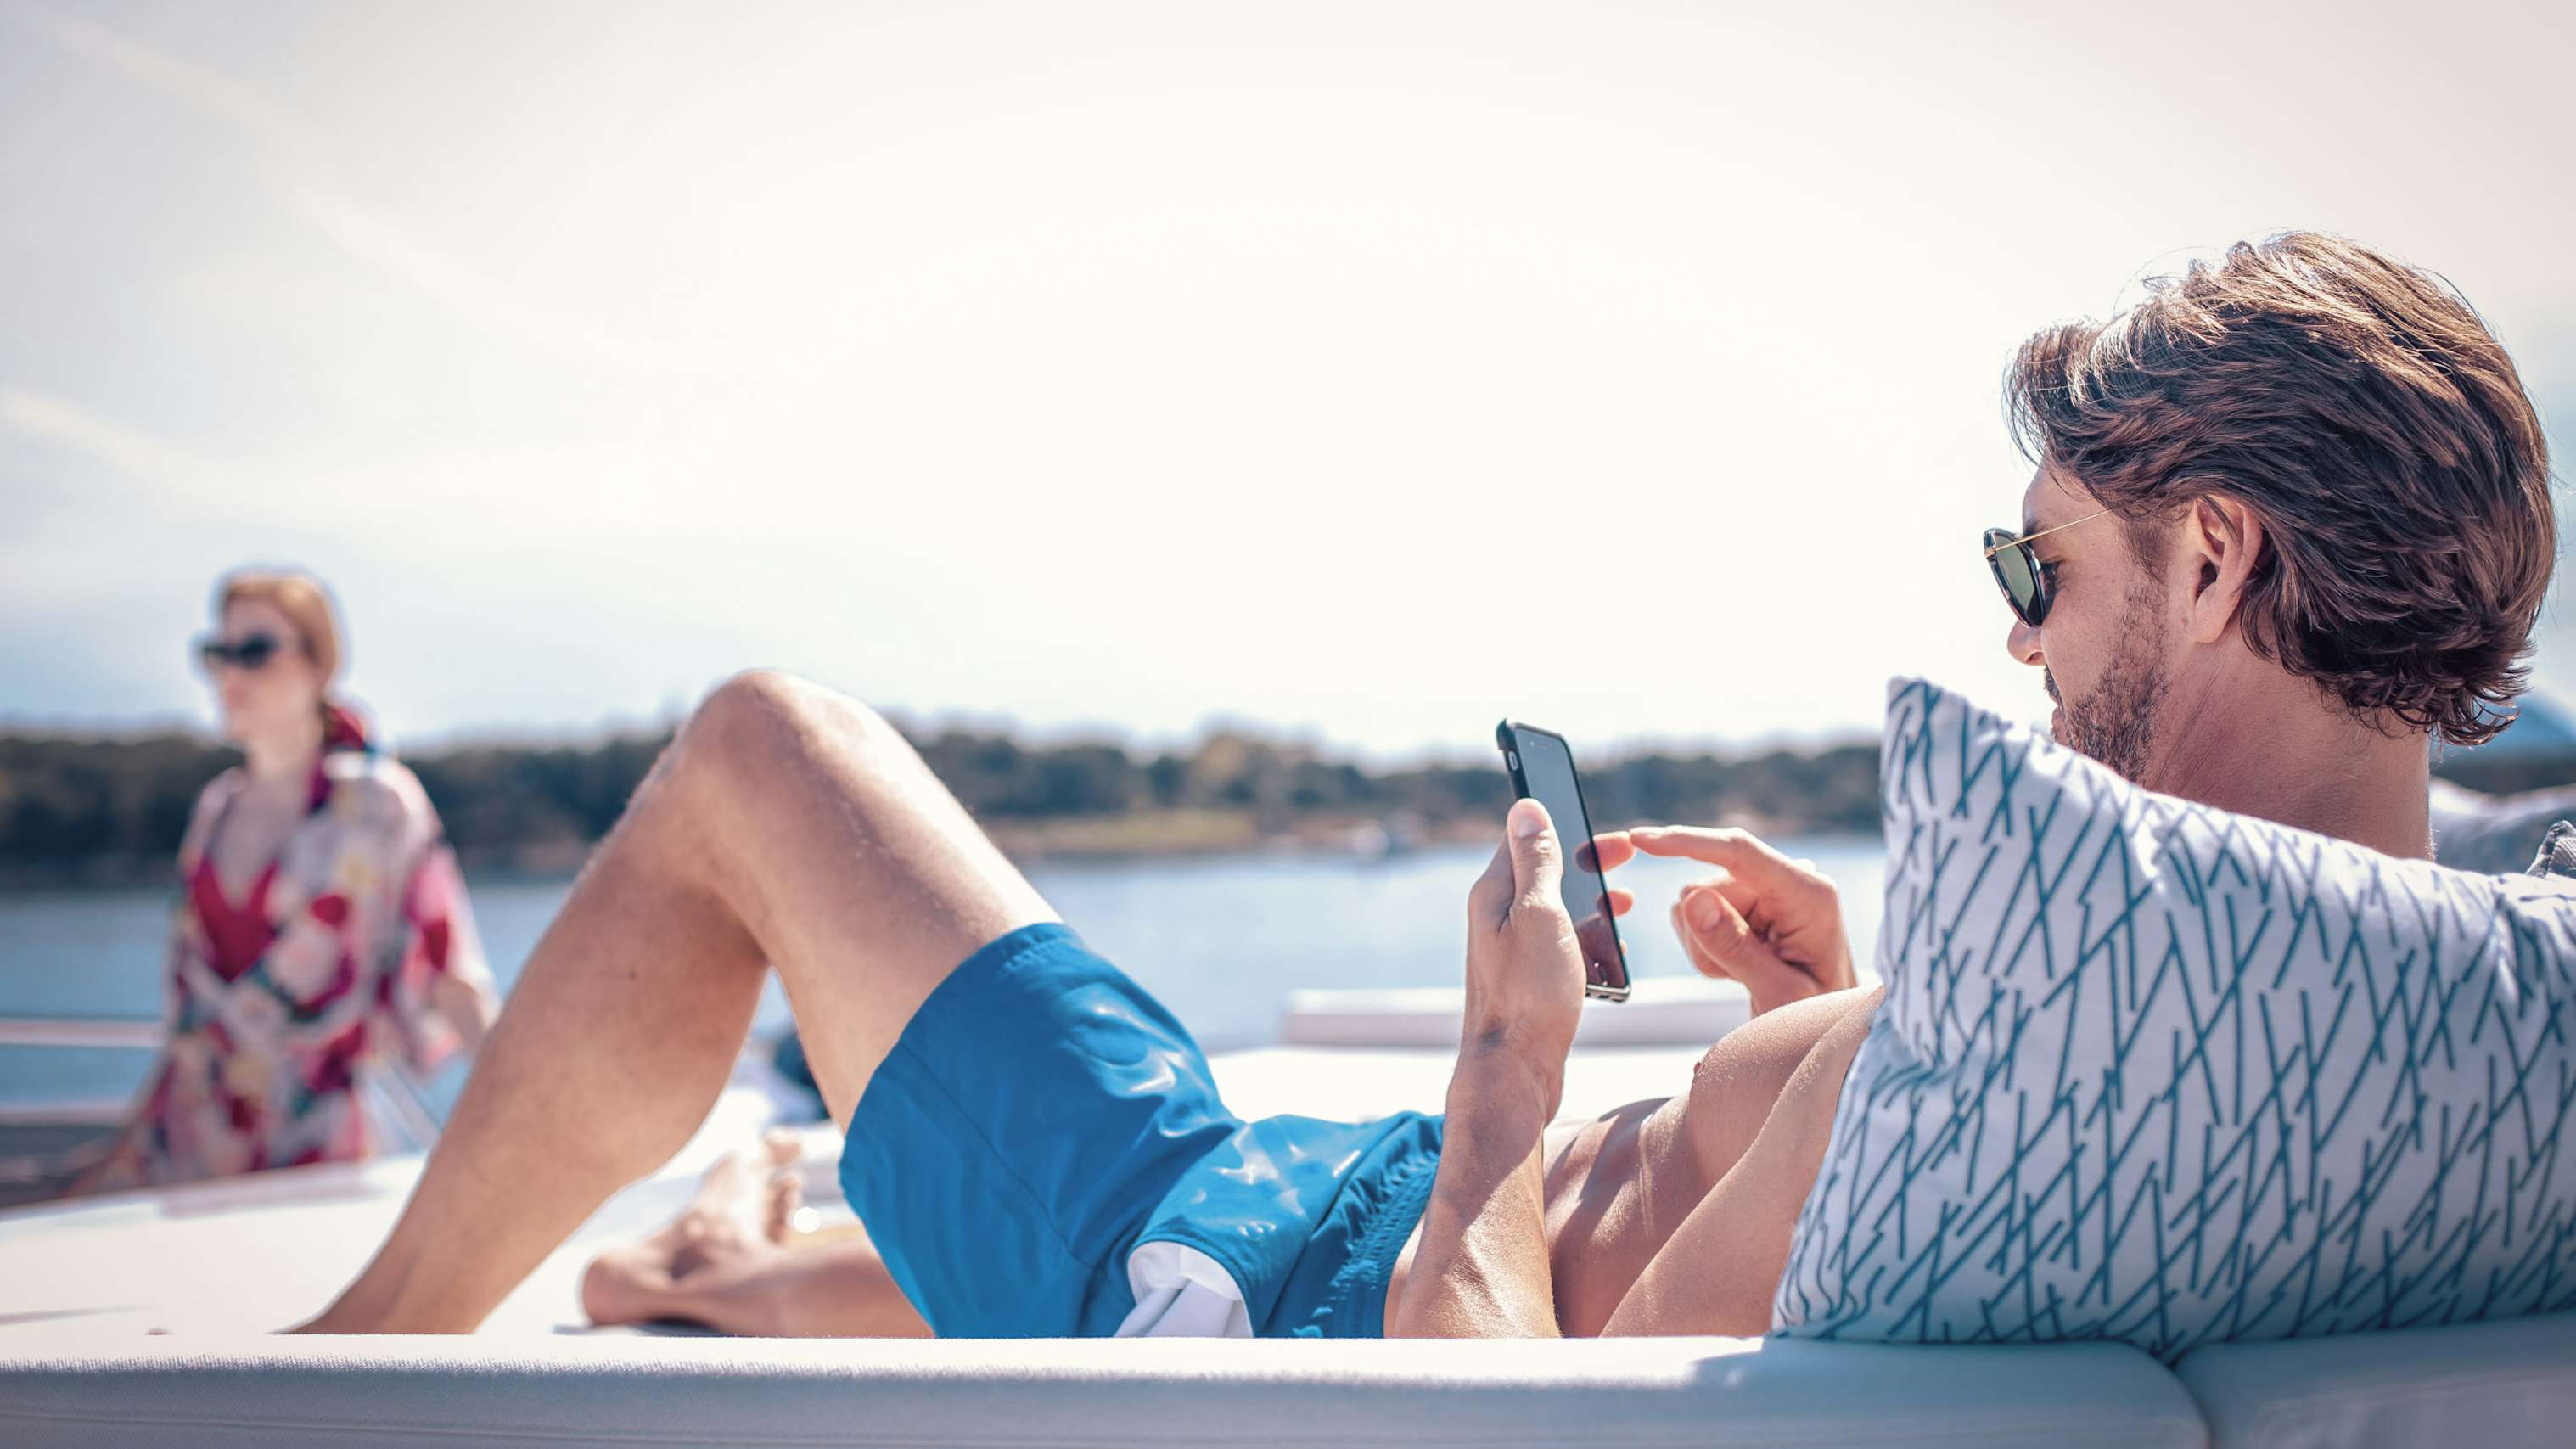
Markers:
(84, 1288)
(265, 1252)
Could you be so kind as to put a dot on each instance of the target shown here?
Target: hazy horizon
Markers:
(1121, 369)
(508, 734)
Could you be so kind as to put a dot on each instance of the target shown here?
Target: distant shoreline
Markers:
(1107, 841)
(80, 812)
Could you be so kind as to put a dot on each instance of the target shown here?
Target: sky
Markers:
(1362, 370)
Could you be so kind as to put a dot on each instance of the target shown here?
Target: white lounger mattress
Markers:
(267, 1251)
(1089, 1392)
(82, 1287)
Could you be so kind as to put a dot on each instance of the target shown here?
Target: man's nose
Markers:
(2023, 643)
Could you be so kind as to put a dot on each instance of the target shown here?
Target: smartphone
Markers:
(1542, 767)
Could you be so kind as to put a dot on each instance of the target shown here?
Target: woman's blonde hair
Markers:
(307, 605)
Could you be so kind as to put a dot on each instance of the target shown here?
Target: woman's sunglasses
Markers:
(251, 652)
(2018, 571)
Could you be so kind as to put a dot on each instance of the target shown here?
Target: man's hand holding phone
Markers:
(1525, 972)
(1481, 1268)
(1542, 768)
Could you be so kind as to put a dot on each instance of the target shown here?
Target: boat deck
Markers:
(267, 1251)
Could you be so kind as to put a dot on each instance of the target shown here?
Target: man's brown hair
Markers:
(2363, 411)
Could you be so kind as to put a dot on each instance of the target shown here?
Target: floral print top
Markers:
(281, 1002)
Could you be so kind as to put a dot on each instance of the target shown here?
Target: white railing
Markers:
(393, 1101)
(49, 1031)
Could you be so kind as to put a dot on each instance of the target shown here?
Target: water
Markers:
(1221, 940)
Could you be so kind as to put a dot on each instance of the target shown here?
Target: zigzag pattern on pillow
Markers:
(2153, 1072)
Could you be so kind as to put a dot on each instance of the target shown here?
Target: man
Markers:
(2291, 514)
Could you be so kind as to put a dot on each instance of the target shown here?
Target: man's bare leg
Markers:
(733, 1261)
(785, 827)
(1620, 1186)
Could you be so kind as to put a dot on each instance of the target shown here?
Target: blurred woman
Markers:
(322, 925)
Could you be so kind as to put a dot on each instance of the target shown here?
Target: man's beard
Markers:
(2116, 723)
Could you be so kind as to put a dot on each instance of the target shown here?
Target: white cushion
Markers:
(1634, 1394)
(2511, 1382)
(2155, 1072)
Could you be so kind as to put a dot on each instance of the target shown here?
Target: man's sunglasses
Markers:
(251, 652)
(2018, 571)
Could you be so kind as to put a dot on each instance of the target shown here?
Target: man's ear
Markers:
(2222, 542)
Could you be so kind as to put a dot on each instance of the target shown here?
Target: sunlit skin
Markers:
(791, 829)
(1665, 1216)
(1728, 1162)
(2232, 729)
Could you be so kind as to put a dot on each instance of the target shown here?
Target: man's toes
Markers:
(786, 1195)
(726, 1182)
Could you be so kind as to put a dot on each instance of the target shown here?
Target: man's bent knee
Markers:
(760, 716)
(765, 701)
(1742, 1079)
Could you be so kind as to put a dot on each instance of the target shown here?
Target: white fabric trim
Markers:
(1182, 1293)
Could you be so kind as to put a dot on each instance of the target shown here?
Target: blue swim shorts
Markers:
(1042, 1117)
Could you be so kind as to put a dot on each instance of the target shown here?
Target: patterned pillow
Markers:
(2153, 1072)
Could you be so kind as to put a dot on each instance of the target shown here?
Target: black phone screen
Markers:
(1542, 767)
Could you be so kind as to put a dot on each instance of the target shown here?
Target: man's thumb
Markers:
(1538, 861)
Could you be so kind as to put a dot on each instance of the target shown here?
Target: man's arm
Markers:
(1482, 1268)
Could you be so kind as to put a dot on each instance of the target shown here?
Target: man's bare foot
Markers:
(705, 1266)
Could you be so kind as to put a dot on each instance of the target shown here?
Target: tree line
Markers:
(112, 810)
